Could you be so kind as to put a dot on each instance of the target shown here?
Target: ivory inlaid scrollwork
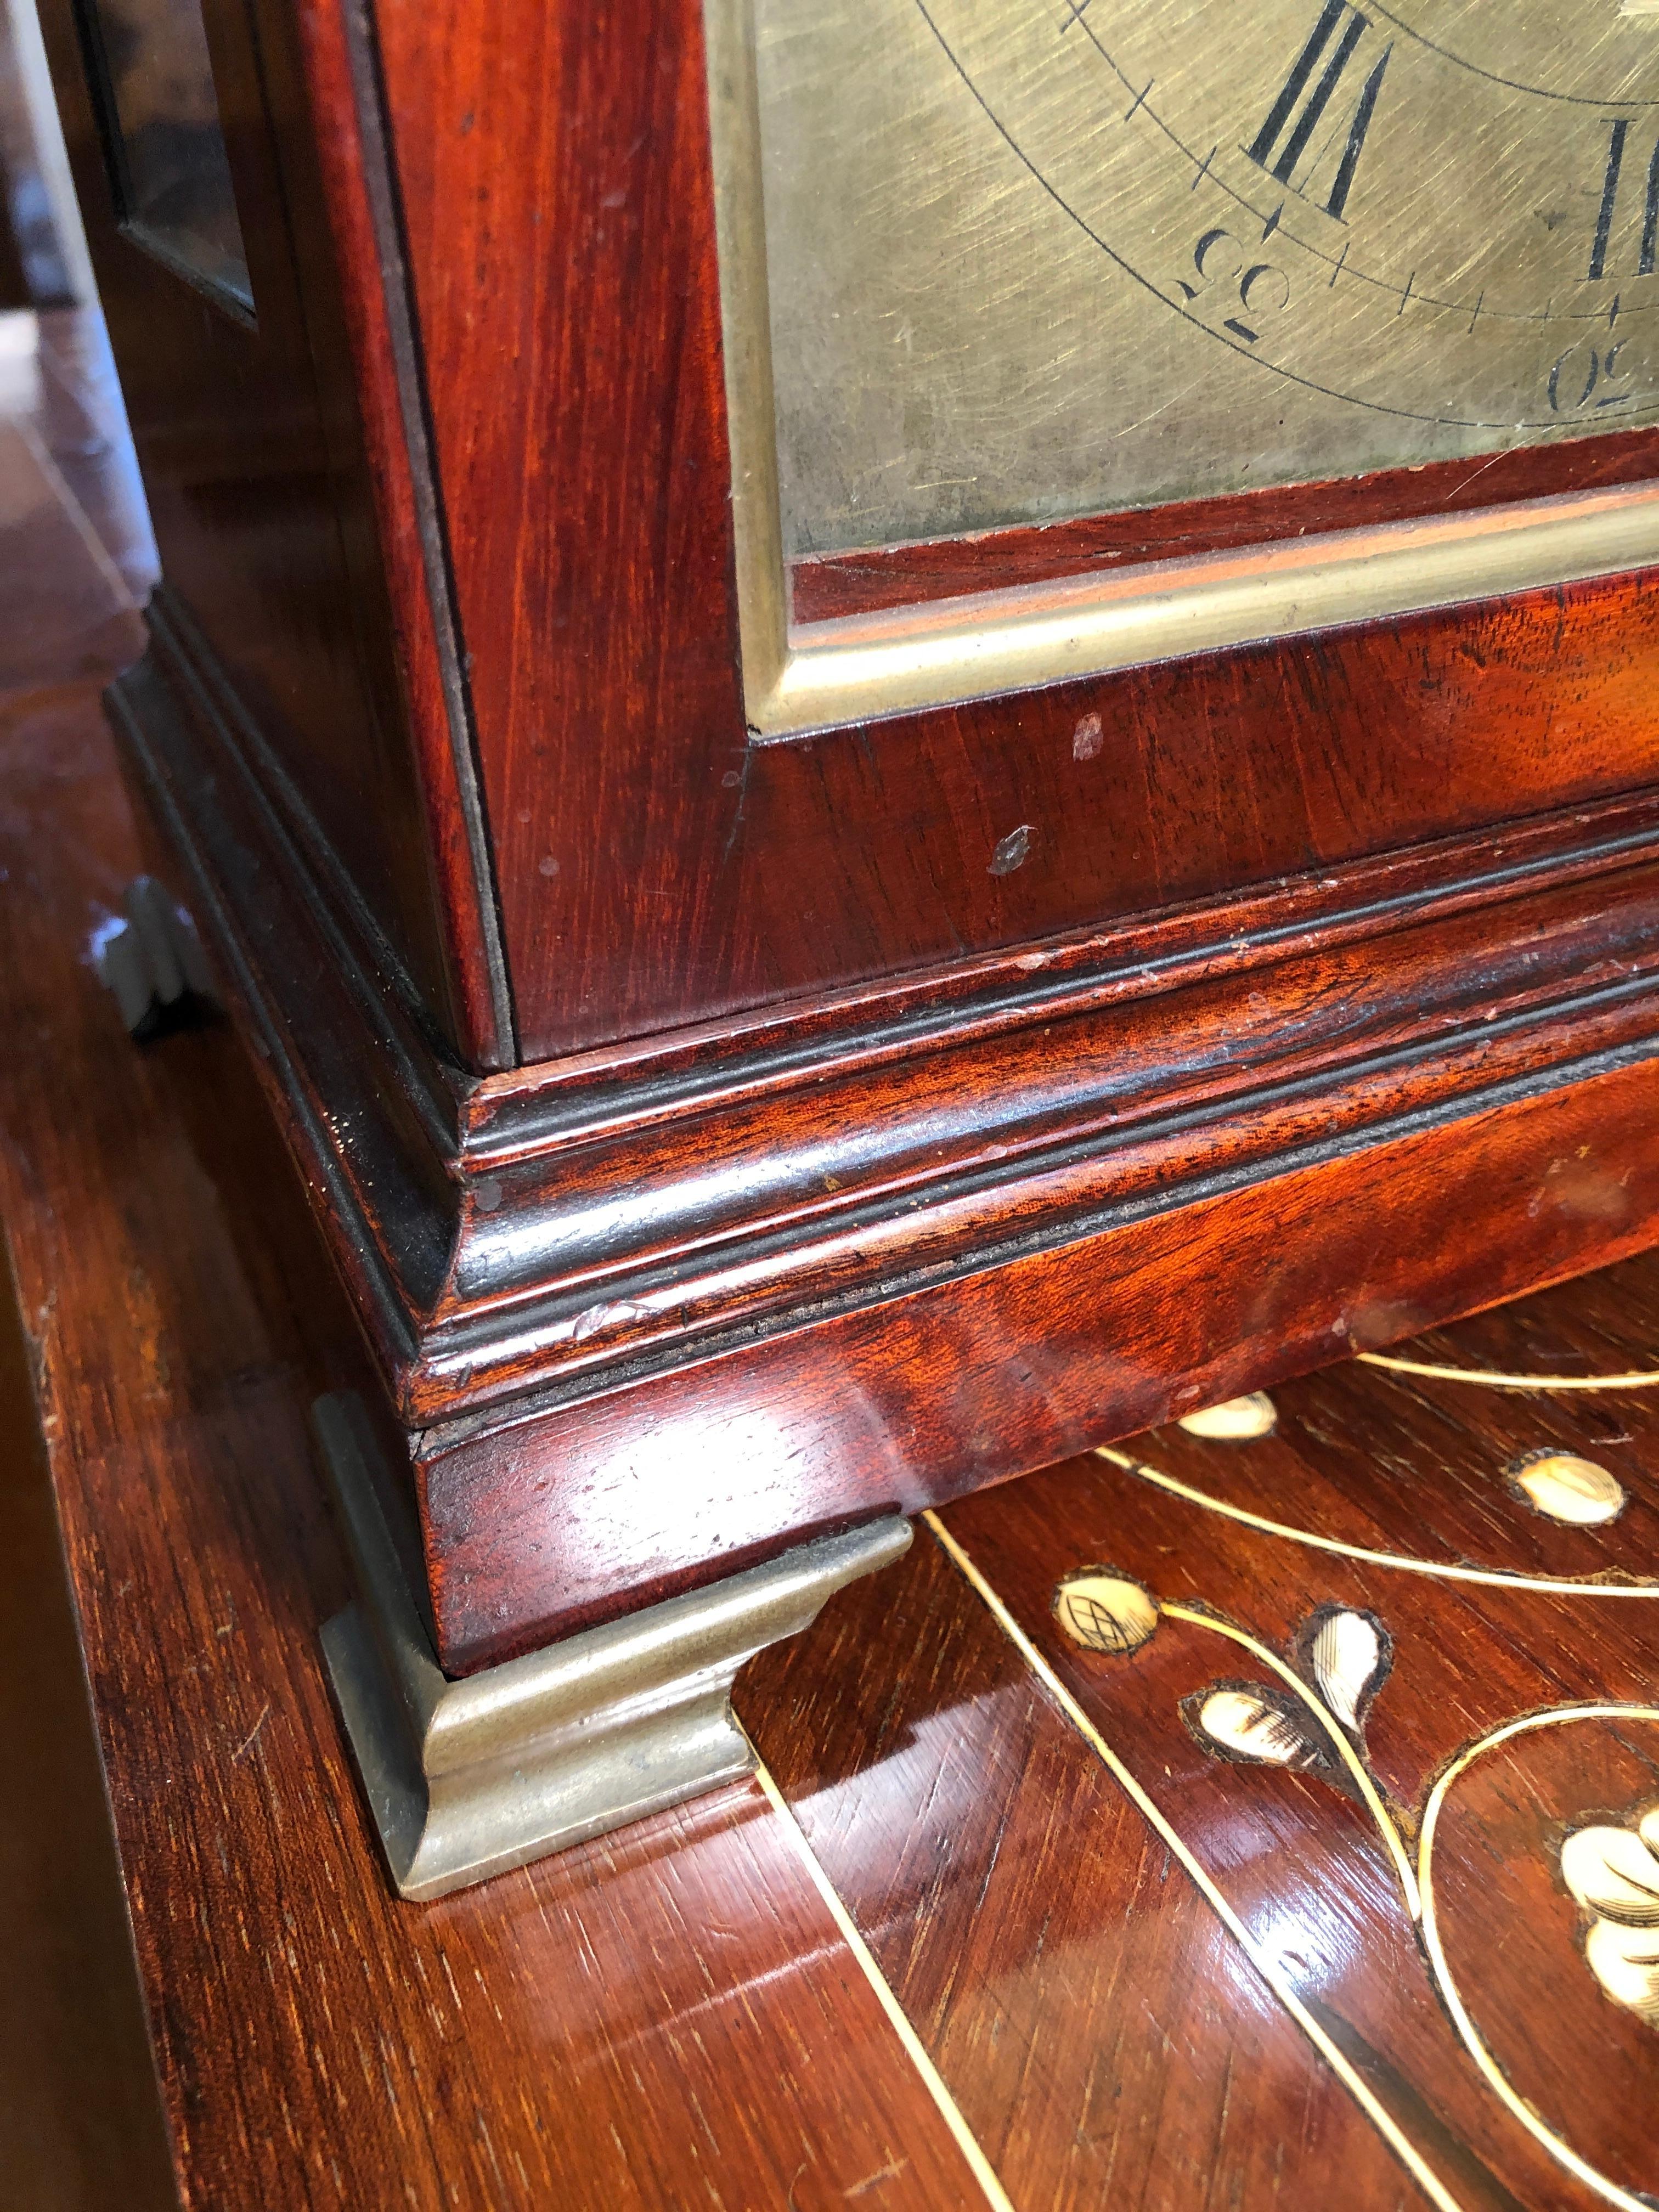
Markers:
(1310, 1715)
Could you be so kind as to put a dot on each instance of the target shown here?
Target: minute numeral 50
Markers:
(1586, 379)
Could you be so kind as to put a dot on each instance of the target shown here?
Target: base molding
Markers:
(466, 1779)
(649, 1316)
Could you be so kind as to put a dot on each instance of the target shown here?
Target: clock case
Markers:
(729, 1142)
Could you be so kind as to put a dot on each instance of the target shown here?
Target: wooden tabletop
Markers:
(1198, 1823)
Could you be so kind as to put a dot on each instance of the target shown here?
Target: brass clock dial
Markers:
(1031, 258)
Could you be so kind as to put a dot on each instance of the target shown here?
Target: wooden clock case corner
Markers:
(723, 1145)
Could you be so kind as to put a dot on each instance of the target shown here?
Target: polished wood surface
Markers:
(80, 2121)
(257, 469)
(80, 2128)
(1104, 2034)
(866, 1413)
(912, 1735)
(1141, 1969)
(654, 867)
(651, 1313)
(671, 2015)
(685, 1110)
(461, 543)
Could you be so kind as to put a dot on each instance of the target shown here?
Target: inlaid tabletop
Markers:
(1280, 1809)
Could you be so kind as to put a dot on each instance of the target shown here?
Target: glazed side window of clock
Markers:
(152, 82)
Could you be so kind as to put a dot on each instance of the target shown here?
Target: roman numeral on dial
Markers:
(1289, 145)
(1622, 155)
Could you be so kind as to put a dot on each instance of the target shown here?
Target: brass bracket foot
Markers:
(153, 960)
(467, 1778)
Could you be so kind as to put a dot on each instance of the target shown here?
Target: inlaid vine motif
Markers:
(1305, 1708)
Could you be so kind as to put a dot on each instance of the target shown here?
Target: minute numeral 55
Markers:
(1619, 151)
(1256, 288)
(1282, 144)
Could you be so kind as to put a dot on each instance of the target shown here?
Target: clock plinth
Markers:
(735, 1131)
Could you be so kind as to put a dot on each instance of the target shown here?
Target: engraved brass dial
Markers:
(1028, 258)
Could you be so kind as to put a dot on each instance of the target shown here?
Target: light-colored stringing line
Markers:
(1492, 1381)
(950, 2111)
(1557, 1585)
(1496, 2079)
(1356, 1766)
(1266, 1966)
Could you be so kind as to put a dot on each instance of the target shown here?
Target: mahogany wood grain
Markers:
(190, 1397)
(79, 2123)
(571, 145)
(1210, 774)
(1298, 1860)
(80, 2119)
(262, 494)
(573, 2033)
(1323, 941)
(648, 1317)
(901, 1727)
(1322, 1453)
(1105, 2037)
(535, 1523)
(656, 867)
(360, 204)
(666, 2017)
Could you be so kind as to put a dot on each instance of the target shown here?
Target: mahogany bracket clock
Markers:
(910, 730)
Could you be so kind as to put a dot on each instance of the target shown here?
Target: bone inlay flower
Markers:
(1614, 1873)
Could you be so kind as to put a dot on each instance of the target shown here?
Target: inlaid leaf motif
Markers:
(1566, 1488)
(1236, 1421)
(1349, 1654)
(1248, 1721)
(1105, 1611)
(1614, 1873)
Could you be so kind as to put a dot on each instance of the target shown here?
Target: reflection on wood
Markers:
(668, 2018)
(1401, 1799)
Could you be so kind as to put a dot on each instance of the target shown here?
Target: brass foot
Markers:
(467, 1778)
(153, 960)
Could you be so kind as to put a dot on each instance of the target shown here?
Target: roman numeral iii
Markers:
(1282, 145)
